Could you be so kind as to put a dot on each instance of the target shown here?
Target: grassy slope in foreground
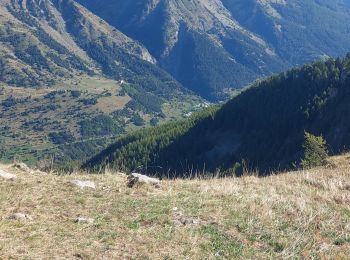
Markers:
(292, 215)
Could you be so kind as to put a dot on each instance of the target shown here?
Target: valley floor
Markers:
(293, 215)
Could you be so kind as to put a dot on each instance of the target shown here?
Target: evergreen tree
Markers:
(315, 151)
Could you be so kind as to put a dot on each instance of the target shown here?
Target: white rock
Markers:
(20, 216)
(23, 167)
(135, 178)
(7, 176)
(84, 184)
(83, 220)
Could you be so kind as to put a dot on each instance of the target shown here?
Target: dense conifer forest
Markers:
(262, 128)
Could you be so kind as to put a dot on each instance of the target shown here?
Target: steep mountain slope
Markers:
(211, 46)
(263, 126)
(299, 31)
(45, 36)
(63, 69)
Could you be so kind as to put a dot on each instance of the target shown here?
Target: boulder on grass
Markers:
(7, 175)
(23, 167)
(136, 178)
(20, 216)
(84, 220)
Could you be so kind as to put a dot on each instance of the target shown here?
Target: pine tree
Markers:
(315, 151)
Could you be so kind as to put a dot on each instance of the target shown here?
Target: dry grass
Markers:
(292, 215)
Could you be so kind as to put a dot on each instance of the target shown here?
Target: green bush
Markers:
(315, 151)
(101, 125)
(75, 93)
(138, 120)
(61, 137)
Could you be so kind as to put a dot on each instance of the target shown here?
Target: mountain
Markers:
(42, 41)
(214, 46)
(67, 76)
(74, 75)
(262, 128)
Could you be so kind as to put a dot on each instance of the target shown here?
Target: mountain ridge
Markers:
(45, 19)
(242, 40)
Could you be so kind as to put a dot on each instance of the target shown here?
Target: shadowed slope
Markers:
(262, 127)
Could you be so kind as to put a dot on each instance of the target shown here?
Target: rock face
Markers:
(136, 178)
(7, 176)
(84, 184)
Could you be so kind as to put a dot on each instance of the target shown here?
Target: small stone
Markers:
(7, 175)
(83, 220)
(23, 167)
(188, 221)
(20, 216)
(135, 178)
(84, 184)
(181, 220)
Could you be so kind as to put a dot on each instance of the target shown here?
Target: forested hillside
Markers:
(261, 128)
(70, 82)
(76, 74)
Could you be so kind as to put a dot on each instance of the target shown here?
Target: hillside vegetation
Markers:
(261, 128)
(75, 119)
(67, 65)
(45, 42)
(292, 215)
(63, 70)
